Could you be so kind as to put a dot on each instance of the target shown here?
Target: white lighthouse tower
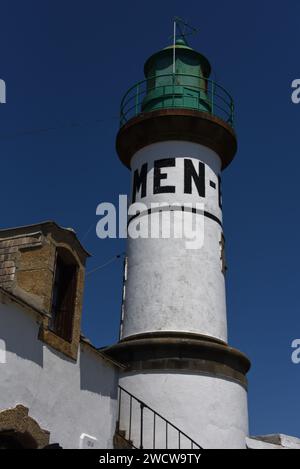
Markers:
(189, 386)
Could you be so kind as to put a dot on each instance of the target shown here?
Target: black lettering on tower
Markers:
(190, 174)
(159, 176)
(140, 180)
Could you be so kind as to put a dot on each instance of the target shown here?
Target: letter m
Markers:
(140, 182)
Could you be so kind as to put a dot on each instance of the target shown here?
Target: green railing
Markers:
(177, 91)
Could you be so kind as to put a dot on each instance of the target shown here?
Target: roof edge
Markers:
(44, 224)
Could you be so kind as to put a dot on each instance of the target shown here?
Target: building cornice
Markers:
(180, 353)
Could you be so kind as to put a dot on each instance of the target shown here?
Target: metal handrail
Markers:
(156, 415)
(217, 99)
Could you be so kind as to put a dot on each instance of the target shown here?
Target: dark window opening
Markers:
(63, 295)
(15, 440)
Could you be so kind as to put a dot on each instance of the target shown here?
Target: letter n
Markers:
(190, 174)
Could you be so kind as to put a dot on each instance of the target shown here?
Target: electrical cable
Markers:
(70, 125)
(110, 261)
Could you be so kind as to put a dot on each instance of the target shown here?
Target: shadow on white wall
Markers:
(19, 331)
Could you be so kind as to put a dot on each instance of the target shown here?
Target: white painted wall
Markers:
(64, 397)
(211, 411)
(170, 287)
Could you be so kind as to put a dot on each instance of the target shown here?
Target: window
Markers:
(64, 294)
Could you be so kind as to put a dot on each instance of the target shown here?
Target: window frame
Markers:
(64, 328)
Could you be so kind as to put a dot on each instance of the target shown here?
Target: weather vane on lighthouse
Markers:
(180, 28)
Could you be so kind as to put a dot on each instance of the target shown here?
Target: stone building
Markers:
(55, 387)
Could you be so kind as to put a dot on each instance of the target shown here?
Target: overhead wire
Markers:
(109, 261)
(69, 125)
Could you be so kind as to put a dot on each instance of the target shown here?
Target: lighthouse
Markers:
(176, 137)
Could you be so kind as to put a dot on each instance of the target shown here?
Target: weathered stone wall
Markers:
(10, 254)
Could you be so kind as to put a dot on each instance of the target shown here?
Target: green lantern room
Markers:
(177, 77)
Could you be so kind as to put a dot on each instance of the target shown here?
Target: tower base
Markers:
(196, 383)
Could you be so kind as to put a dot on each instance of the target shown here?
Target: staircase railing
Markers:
(142, 427)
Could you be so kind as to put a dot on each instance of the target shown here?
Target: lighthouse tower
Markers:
(176, 138)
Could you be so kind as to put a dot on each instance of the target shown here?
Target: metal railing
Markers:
(141, 427)
(177, 90)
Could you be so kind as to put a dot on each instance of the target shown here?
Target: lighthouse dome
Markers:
(177, 78)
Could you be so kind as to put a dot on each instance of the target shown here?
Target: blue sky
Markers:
(67, 64)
